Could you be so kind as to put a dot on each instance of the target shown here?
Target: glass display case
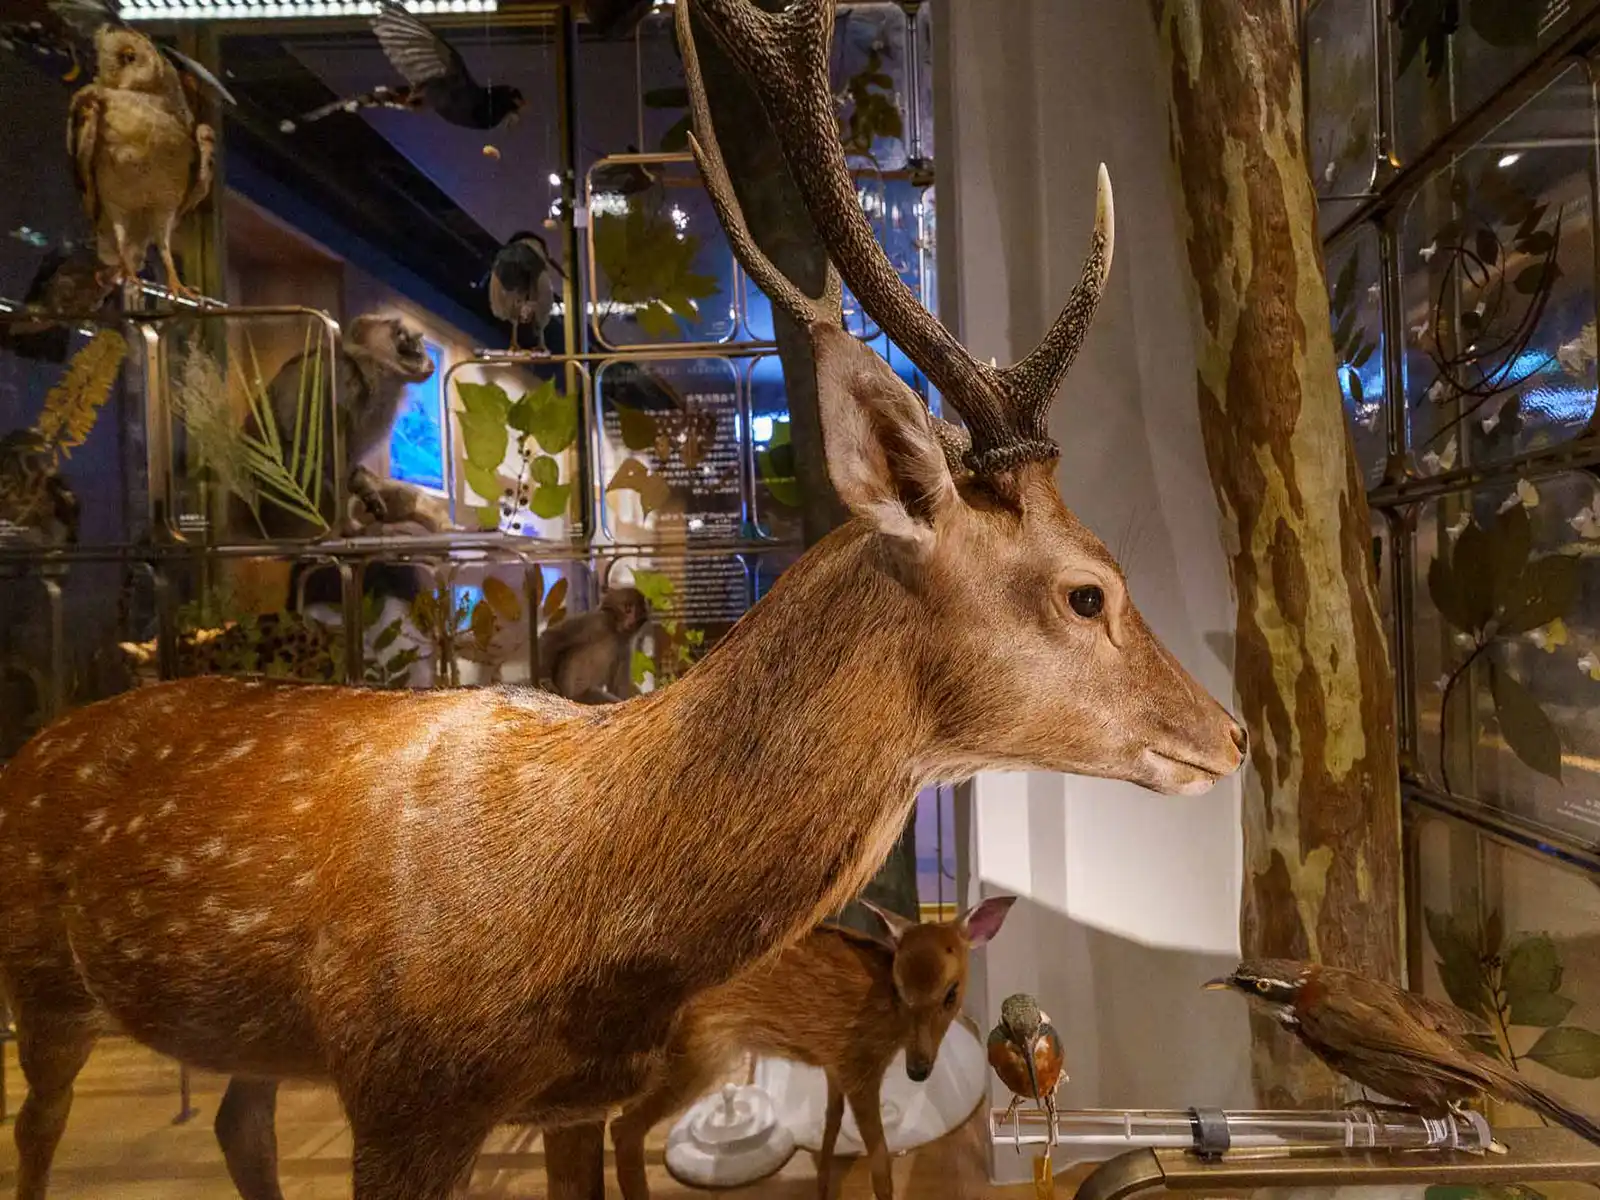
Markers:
(1457, 155)
(175, 496)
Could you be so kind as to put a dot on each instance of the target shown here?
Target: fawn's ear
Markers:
(983, 920)
(893, 922)
(883, 456)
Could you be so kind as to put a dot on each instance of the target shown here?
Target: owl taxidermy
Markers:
(140, 160)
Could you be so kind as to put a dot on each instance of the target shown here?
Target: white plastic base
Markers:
(729, 1138)
(914, 1114)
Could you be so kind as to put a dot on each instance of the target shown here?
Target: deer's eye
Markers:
(952, 995)
(1087, 602)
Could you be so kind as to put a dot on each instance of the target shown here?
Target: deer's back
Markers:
(221, 861)
(827, 1000)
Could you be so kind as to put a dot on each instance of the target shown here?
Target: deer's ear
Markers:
(883, 456)
(983, 920)
(893, 922)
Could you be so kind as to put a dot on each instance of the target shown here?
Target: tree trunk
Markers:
(1321, 798)
(782, 228)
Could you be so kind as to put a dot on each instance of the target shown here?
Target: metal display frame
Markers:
(1379, 210)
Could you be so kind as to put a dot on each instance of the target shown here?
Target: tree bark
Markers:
(782, 228)
(1321, 797)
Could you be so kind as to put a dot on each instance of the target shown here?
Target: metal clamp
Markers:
(1211, 1135)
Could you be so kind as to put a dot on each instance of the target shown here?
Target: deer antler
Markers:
(785, 56)
(778, 287)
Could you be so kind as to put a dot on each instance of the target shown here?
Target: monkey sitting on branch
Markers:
(589, 657)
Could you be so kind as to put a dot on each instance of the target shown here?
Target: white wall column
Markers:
(1130, 900)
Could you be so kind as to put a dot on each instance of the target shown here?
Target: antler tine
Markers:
(777, 286)
(786, 57)
(1033, 381)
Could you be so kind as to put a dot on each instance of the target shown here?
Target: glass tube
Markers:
(1094, 1134)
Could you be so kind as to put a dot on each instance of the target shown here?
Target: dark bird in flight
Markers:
(1414, 1050)
(436, 78)
(1025, 1052)
(64, 46)
(522, 288)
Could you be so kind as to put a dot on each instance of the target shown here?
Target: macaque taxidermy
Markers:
(381, 355)
(588, 658)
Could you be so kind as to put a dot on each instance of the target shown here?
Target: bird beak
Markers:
(1221, 984)
(1044, 1018)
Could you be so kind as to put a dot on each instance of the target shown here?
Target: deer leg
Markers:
(52, 1048)
(249, 1141)
(869, 1119)
(575, 1161)
(397, 1160)
(688, 1075)
(832, 1119)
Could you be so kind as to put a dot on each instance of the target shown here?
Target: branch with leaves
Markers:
(545, 423)
(1490, 587)
(676, 646)
(460, 627)
(648, 264)
(1514, 986)
(1495, 268)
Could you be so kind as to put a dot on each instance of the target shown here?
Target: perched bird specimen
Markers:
(1406, 1047)
(67, 280)
(521, 288)
(139, 158)
(61, 47)
(436, 78)
(1025, 1052)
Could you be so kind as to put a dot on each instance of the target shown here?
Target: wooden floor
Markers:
(123, 1143)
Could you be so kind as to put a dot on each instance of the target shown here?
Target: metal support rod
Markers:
(1580, 38)
(1493, 821)
(186, 1108)
(575, 322)
(462, 546)
(55, 699)
(352, 575)
(1532, 1156)
(1094, 1133)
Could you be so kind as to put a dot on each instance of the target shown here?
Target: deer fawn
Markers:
(456, 905)
(836, 999)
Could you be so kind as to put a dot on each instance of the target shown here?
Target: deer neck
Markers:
(787, 760)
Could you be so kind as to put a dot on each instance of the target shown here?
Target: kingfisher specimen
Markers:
(1414, 1050)
(1025, 1052)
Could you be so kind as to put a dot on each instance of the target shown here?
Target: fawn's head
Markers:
(1037, 656)
(930, 972)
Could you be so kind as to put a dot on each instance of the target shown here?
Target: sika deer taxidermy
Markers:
(456, 905)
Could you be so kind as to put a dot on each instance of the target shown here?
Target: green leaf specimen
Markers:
(648, 263)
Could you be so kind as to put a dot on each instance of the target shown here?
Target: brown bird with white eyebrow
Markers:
(1406, 1047)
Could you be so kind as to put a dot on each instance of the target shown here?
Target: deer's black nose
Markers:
(917, 1072)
